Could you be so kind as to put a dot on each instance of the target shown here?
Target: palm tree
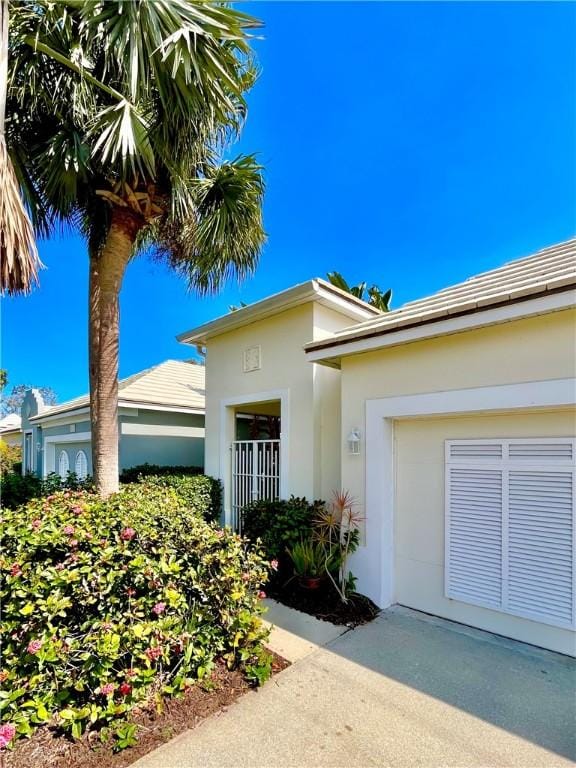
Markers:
(120, 115)
(19, 262)
(375, 297)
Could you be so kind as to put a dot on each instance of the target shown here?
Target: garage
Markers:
(484, 522)
(464, 402)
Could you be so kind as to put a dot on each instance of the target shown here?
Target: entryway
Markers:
(255, 456)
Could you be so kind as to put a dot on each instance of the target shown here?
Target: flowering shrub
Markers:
(106, 603)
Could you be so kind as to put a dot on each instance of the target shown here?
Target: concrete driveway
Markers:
(405, 690)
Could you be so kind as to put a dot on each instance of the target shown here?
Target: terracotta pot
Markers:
(310, 582)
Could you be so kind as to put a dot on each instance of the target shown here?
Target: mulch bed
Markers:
(325, 603)
(49, 748)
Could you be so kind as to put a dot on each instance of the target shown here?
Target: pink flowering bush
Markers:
(143, 599)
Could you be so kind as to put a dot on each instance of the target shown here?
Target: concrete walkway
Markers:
(406, 690)
(294, 635)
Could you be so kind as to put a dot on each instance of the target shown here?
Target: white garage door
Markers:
(510, 527)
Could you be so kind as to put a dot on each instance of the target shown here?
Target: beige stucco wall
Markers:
(311, 427)
(535, 349)
(525, 351)
(420, 517)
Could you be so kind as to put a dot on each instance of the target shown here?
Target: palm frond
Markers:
(225, 234)
(19, 261)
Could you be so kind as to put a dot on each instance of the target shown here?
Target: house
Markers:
(451, 420)
(160, 421)
(11, 429)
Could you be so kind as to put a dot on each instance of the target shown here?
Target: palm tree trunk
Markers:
(106, 274)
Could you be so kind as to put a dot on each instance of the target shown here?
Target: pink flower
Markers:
(60, 567)
(77, 510)
(245, 577)
(34, 646)
(3, 675)
(88, 535)
(128, 534)
(131, 673)
(16, 570)
(69, 530)
(73, 542)
(125, 689)
(274, 564)
(51, 497)
(36, 524)
(153, 653)
(261, 594)
(107, 689)
(220, 533)
(159, 608)
(7, 733)
(106, 625)
(130, 591)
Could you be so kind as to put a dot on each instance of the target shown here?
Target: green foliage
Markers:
(279, 525)
(10, 457)
(107, 603)
(135, 106)
(310, 558)
(201, 493)
(133, 474)
(375, 297)
(17, 489)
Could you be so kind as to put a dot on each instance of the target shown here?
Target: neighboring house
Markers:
(451, 420)
(11, 430)
(160, 420)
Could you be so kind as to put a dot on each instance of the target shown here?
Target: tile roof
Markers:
(173, 383)
(550, 270)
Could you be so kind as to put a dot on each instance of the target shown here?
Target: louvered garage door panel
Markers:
(540, 544)
(545, 451)
(474, 535)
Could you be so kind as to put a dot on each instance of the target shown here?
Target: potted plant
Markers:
(309, 560)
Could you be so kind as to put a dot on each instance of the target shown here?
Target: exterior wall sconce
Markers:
(354, 441)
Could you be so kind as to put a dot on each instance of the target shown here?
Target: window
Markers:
(28, 456)
(81, 465)
(510, 523)
(63, 465)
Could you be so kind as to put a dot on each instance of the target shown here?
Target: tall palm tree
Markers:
(120, 115)
(19, 262)
(373, 295)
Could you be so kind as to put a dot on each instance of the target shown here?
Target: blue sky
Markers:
(407, 144)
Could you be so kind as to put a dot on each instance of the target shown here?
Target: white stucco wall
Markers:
(516, 353)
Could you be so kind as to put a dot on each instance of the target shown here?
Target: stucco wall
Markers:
(157, 448)
(524, 351)
(283, 367)
(535, 349)
(172, 451)
(311, 427)
(420, 517)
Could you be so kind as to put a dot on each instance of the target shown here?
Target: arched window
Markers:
(63, 465)
(81, 466)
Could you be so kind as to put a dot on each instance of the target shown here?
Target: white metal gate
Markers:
(255, 474)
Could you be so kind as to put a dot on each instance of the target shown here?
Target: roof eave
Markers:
(331, 351)
(313, 290)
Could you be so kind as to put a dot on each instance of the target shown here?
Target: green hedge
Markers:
(106, 603)
(17, 489)
(133, 474)
(203, 494)
(279, 524)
